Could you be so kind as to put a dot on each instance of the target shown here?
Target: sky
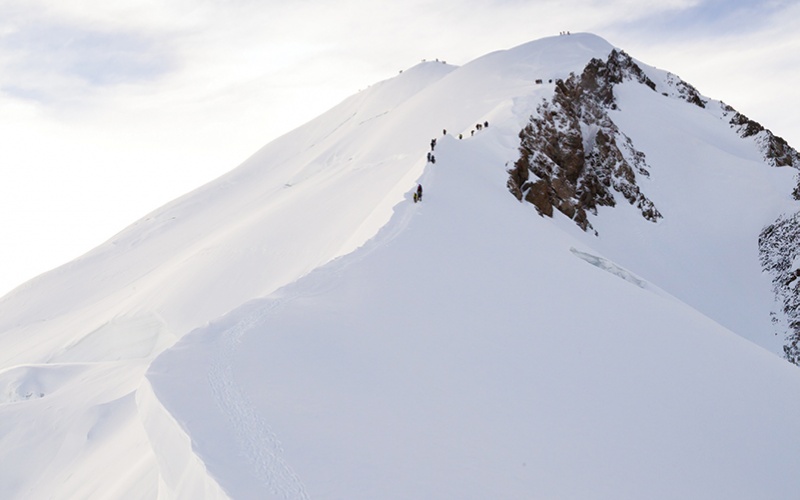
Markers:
(108, 110)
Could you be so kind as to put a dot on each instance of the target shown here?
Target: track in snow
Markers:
(254, 438)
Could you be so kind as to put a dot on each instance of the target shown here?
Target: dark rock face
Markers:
(779, 251)
(577, 155)
(599, 78)
(676, 88)
(687, 92)
(778, 243)
(776, 150)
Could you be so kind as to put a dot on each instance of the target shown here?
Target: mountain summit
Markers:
(577, 308)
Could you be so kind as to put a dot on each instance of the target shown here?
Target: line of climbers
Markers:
(478, 127)
(432, 158)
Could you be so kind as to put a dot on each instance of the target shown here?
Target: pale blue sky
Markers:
(110, 109)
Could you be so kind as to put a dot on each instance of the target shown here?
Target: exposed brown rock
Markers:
(555, 169)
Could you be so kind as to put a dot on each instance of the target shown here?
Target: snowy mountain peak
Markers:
(273, 332)
(580, 158)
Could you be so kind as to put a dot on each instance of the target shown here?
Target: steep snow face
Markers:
(458, 338)
(474, 350)
(716, 194)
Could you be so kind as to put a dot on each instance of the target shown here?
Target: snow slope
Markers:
(471, 350)
(346, 343)
(716, 195)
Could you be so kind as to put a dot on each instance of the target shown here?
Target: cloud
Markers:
(95, 57)
(60, 60)
(744, 52)
(705, 19)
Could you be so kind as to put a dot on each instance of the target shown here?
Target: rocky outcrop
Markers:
(779, 251)
(599, 77)
(776, 150)
(573, 158)
(683, 90)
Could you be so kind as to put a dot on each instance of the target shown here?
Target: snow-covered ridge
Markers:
(299, 328)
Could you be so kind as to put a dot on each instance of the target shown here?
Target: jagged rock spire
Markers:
(577, 155)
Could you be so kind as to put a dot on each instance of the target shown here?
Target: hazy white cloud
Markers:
(52, 61)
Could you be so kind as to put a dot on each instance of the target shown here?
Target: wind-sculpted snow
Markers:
(22, 383)
(60, 424)
(181, 474)
(299, 328)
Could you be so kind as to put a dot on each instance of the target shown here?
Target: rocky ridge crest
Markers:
(577, 156)
(776, 150)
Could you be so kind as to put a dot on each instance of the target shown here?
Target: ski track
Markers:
(257, 442)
